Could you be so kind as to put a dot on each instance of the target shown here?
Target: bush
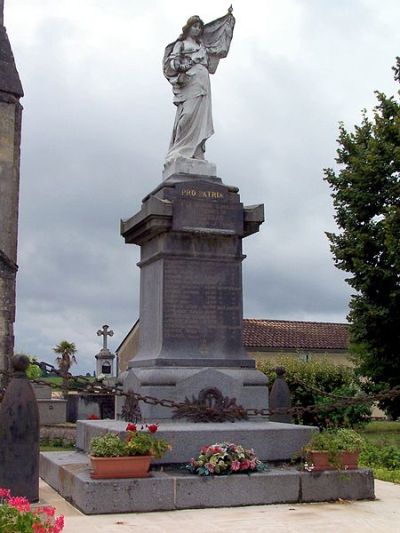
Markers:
(310, 381)
(380, 457)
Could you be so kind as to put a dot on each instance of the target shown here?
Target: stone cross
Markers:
(104, 332)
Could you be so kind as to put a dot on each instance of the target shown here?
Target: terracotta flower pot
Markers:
(120, 467)
(345, 461)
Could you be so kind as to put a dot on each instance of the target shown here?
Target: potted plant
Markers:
(224, 458)
(112, 456)
(333, 449)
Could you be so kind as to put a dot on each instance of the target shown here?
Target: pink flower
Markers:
(210, 467)
(235, 466)
(152, 427)
(47, 510)
(203, 450)
(131, 427)
(59, 524)
(4, 493)
(245, 464)
(20, 503)
(253, 464)
(38, 528)
(215, 449)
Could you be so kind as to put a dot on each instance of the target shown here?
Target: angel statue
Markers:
(187, 64)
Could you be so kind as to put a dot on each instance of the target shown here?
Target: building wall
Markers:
(129, 349)
(10, 140)
(335, 357)
(7, 313)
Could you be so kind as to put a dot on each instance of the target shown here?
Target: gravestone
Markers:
(19, 435)
(104, 359)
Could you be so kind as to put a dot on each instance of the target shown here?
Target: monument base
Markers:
(272, 441)
(69, 474)
(194, 167)
(247, 386)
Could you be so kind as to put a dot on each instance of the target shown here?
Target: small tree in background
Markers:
(65, 360)
(366, 196)
(311, 383)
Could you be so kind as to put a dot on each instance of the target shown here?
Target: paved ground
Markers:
(379, 516)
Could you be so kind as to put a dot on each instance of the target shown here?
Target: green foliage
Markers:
(33, 371)
(108, 445)
(334, 442)
(380, 456)
(309, 380)
(366, 197)
(143, 443)
(137, 443)
(17, 516)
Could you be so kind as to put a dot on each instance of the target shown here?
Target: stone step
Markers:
(69, 474)
(272, 441)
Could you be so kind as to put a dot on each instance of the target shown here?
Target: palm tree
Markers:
(65, 360)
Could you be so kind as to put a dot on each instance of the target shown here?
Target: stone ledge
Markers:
(69, 474)
(272, 441)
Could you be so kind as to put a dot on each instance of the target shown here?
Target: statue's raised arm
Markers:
(187, 63)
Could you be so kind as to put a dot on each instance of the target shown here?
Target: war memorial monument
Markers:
(190, 230)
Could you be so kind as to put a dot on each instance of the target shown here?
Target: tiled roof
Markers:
(281, 334)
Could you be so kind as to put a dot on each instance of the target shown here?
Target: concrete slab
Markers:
(272, 441)
(69, 474)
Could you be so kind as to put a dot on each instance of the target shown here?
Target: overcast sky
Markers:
(97, 120)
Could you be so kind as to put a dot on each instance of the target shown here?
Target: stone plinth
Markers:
(52, 412)
(272, 441)
(190, 232)
(69, 474)
(193, 167)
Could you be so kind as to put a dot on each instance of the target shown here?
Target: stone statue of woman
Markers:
(187, 64)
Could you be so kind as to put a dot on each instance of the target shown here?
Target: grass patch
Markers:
(382, 433)
(384, 425)
(384, 474)
(46, 448)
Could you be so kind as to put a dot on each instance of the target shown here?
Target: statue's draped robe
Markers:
(192, 91)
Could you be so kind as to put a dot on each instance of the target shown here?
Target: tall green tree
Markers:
(366, 197)
(66, 358)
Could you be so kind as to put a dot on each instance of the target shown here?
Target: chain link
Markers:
(101, 388)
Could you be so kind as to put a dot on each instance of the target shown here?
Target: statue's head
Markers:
(193, 25)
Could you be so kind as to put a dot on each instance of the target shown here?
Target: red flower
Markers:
(93, 417)
(152, 427)
(59, 524)
(38, 528)
(131, 427)
(4, 493)
(245, 464)
(46, 510)
(20, 503)
(215, 449)
(235, 466)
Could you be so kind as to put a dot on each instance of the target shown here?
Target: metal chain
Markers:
(97, 388)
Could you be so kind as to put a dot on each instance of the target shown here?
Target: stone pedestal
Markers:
(190, 231)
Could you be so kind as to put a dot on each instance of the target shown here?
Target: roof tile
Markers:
(283, 334)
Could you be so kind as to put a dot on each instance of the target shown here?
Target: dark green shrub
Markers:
(310, 381)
